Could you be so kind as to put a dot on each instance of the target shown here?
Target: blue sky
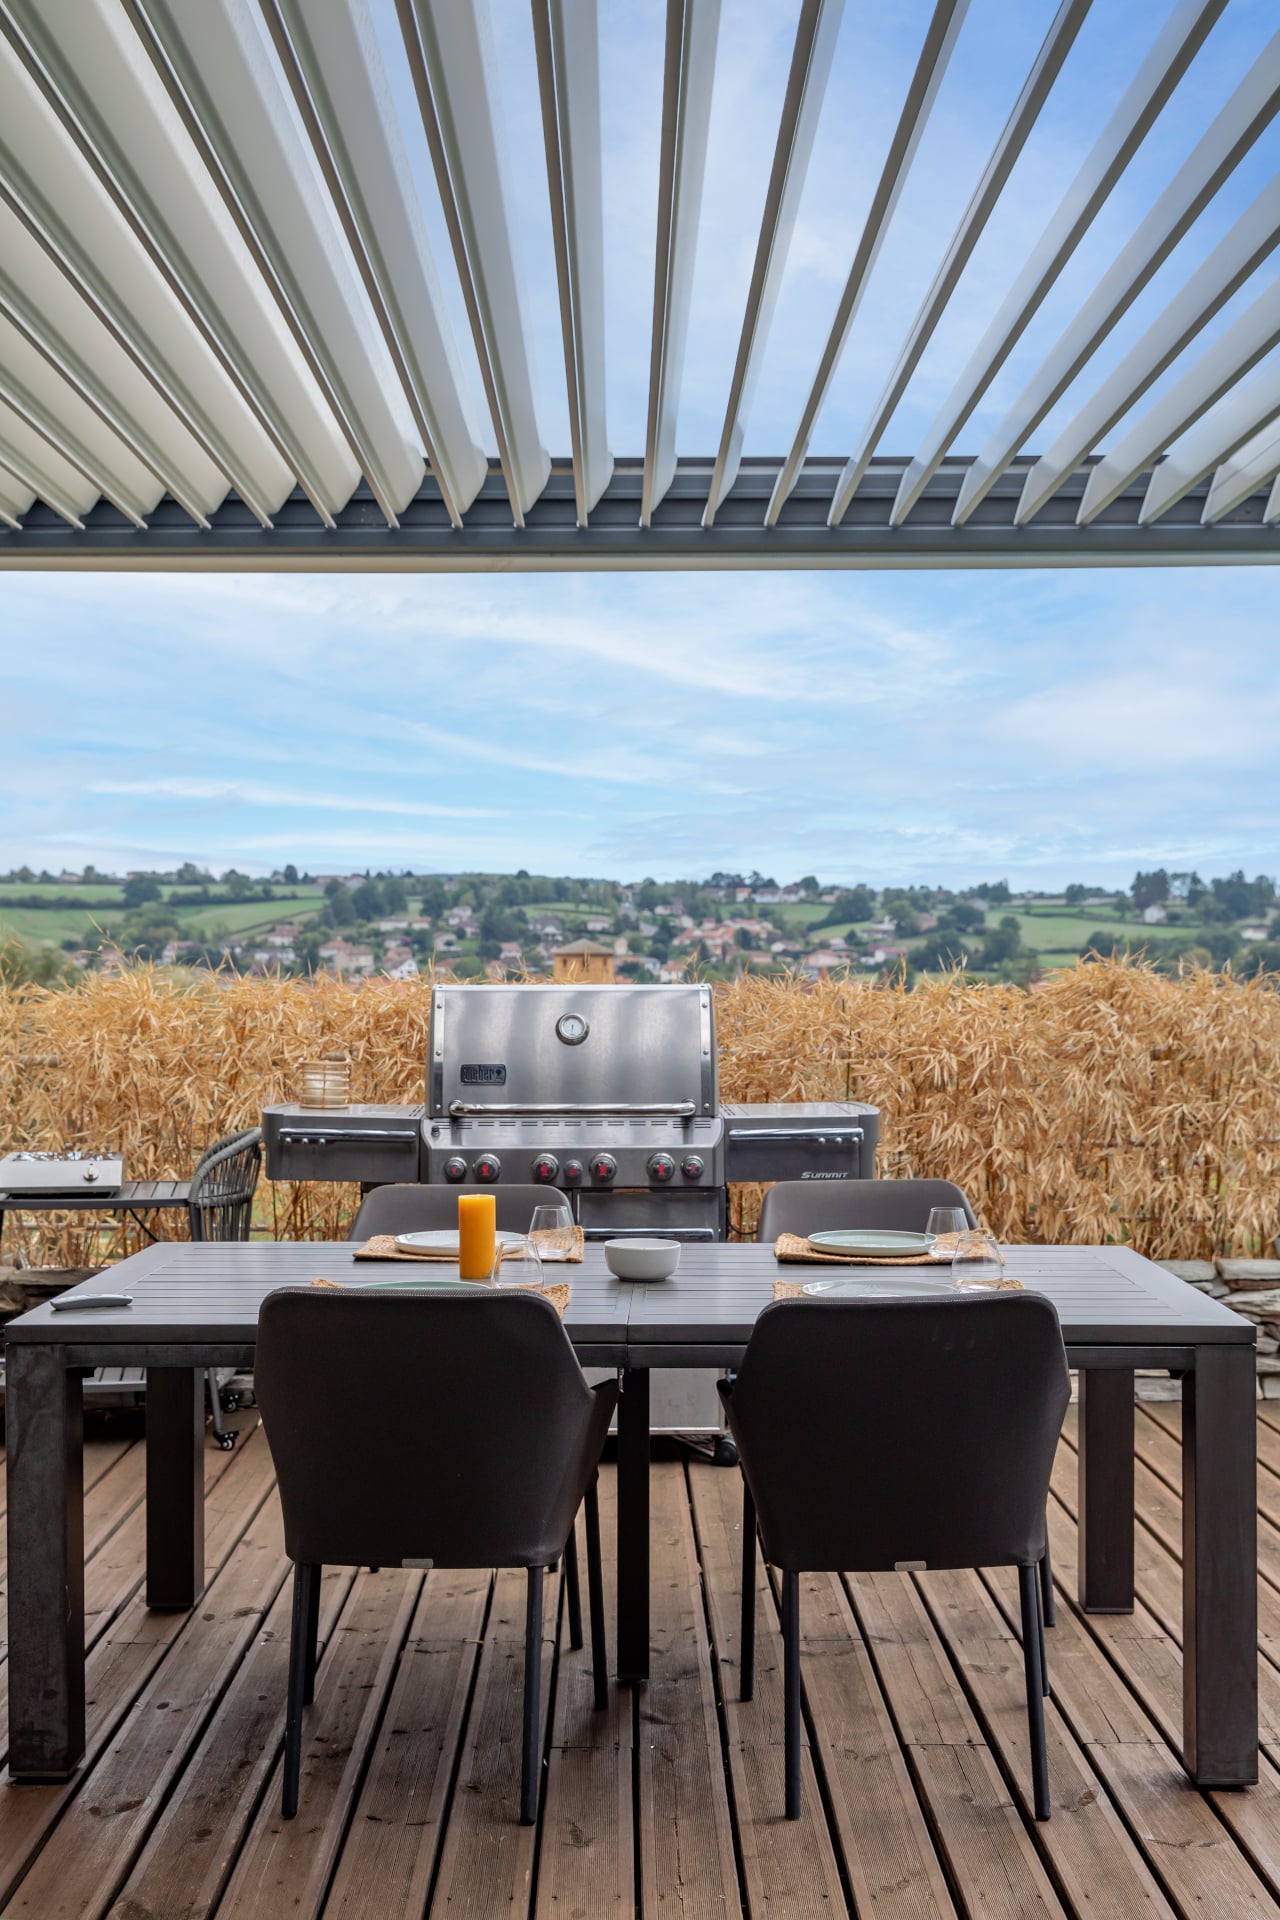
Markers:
(933, 727)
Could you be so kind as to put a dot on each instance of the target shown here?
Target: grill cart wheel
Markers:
(725, 1452)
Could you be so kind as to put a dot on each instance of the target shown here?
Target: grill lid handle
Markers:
(573, 1110)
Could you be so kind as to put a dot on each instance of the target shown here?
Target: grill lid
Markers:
(570, 1049)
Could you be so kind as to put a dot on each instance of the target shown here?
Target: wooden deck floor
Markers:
(669, 1804)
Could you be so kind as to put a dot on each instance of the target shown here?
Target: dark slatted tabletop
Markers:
(205, 1293)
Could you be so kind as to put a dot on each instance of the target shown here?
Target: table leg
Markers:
(633, 1526)
(44, 1434)
(1220, 1569)
(1106, 1491)
(175, 1486)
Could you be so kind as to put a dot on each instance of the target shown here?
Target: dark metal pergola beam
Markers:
(552, 541)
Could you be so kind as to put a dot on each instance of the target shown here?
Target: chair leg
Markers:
(1048, 1602)
(296, 1698)
(1028, 1593)
(531, 1755)
(791, 1689)
(573, 1593)
(595, 1599)
(747, 1650)
(1044, 1664)
(313, 1634)
(215, 1400)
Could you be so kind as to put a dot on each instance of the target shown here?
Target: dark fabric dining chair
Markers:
(955, 1474)
(417, 1209)
(817, 1206)
(220, 1207)
(891, 1206)
(479, 1440)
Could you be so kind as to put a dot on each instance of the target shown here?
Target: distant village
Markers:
(354, 926)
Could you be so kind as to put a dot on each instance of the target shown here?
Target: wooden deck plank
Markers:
(1148, 1660)
(286, 1865)
(487, 1861)
(789, 1867)
(586, 1862)
(992, 1861)
(117, 1669)
(1091, 1855)
(93, 1845)
(890, 1861)
(399, 1820)
(182, 1870)
(687, 1865)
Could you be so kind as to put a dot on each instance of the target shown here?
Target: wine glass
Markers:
(946, 1224)
(978, 1264)
(521, 1263)
(551, 1229)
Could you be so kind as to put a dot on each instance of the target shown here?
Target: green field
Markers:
(22, 889)
(41, 926)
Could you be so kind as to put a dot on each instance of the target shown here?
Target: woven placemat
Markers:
(795, 1289)
(559, 1294)
(792, 1249)
(383, 1247)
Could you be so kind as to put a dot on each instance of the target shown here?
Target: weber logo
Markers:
(824, 1176)
(482, 1074)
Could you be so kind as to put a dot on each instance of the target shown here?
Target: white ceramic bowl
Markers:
(642, 1259)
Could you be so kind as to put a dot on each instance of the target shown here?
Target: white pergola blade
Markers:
(693, 28)
(566, 38)
(215, 62)
(62, 207)
(73, 432)
(939, 43)
(1271, 513)
(1223, 430)
(1017, 130)
(1205, 382)
(1175, 47)
(810, 70)
(105, 93)
(40, 469)
(15, 500)
(331, 59)
(1250, 109)
(445, 46)
(1249, 468)
(34, 327)
(1237, 254)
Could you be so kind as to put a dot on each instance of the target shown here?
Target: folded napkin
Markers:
(559, 1295)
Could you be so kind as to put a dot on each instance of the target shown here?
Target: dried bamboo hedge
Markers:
(1110, 1103)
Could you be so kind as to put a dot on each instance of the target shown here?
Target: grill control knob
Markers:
(455, 1167)
(692, 1166)
(661, 1167)
(571, 1173)
(488, 1168)
(545, 1167)
(603, 1168)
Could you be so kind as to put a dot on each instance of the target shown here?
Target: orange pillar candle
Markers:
(477, 1235)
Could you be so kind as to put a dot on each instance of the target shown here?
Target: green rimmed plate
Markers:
(873, 1243)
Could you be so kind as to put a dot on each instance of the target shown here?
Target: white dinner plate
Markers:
(873, 1243)
(878, 1286)
(445, 1240)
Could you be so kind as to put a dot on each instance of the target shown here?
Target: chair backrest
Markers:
(220, 1197)
(415, 1209)
(875, 1433)
(817, 1206)
(462, 1435)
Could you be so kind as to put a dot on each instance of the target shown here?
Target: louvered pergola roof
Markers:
(225, 338)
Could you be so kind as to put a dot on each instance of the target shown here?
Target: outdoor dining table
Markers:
(196, 1306)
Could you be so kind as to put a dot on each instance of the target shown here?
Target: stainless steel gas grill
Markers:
(609, 1094)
